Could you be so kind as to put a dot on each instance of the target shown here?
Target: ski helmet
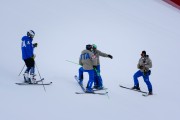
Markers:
(88, 47)
(94, 46)
(31, 33)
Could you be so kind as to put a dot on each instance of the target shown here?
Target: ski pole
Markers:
(21, 70)
(81, 65)
(40, 77)
(72, 62)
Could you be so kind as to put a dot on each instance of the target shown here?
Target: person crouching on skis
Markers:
(27, 48)
(87, 60)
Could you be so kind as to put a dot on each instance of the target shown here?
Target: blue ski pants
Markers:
(97, 77)
(145, 77)
(91, 76)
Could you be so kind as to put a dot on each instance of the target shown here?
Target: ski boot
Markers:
(33, 79)
(150, 92)
(136, 88)
(81, 82)
(100, 88)
(89, 90)
(95, 87)
(26, 78)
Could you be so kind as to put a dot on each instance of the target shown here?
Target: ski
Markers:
(91, 93)
(84, 90)
(39, 80)
(34, 84)
(99, 89)
(132, 89)
(145, 95)
(81, 85)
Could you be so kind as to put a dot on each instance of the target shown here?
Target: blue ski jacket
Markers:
(27, 47)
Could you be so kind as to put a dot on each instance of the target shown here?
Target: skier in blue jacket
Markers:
(27, 48)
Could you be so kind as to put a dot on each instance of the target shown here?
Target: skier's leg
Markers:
(26, 73)
(81, 75)
(136, 75)
(32, 71)
(95, 80)
(148, 83)
(27, 63)
(91, 80)
(100, 82)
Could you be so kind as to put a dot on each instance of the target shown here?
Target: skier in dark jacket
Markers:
(28, 56)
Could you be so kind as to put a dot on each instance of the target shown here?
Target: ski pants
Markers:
(30, 64)
(145, 77)
(91, 76)
(97, 77)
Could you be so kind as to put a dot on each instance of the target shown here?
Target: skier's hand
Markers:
(94, 67)
(35, 45)
(33, 57)
(110, 56)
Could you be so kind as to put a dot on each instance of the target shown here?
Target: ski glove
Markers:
(94, 67)
(33, 57)
(110, 56)
(35, 45)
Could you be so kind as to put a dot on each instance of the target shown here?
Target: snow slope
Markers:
(122, 28)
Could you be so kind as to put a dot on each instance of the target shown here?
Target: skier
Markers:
(28, 56)
(98, 83)
(143, 65)
(87, 60)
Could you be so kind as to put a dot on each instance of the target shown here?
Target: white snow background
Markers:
(122, 28)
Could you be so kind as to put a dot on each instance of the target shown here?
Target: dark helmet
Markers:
(144, 52)
(88, 47)
(31, 33)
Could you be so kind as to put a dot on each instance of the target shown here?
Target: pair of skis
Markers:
(38, 82)
(145, 94)
(84, 90)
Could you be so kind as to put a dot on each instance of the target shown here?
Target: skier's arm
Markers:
(80, 61)
(104, 54)
(140, 66)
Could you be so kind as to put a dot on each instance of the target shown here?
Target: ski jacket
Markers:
(98, 53)
(87, 60)
(144, 64)
(27, 47)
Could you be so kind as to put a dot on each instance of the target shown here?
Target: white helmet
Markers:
(31, 33)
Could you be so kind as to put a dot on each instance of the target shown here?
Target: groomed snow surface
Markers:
(122, 28)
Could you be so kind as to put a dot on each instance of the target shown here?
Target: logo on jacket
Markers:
(28, 42)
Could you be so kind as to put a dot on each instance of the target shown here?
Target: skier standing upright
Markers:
(27, 48)
(98, 83)
(87, 60)
(143, 65)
